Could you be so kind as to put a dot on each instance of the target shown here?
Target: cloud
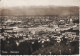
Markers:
(13, 3)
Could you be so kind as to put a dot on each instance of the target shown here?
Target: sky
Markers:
(13, 3)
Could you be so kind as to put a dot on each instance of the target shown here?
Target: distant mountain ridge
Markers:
(40, 10)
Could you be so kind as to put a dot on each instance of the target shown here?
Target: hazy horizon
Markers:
(39, 7)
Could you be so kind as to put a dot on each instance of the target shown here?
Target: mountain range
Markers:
(40, 10)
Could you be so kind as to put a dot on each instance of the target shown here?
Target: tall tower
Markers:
(71, 21)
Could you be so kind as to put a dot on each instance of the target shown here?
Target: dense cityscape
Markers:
(39, 35)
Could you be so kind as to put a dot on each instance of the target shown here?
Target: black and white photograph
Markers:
(39, 27)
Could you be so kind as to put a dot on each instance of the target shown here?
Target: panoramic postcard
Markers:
(39, 27)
